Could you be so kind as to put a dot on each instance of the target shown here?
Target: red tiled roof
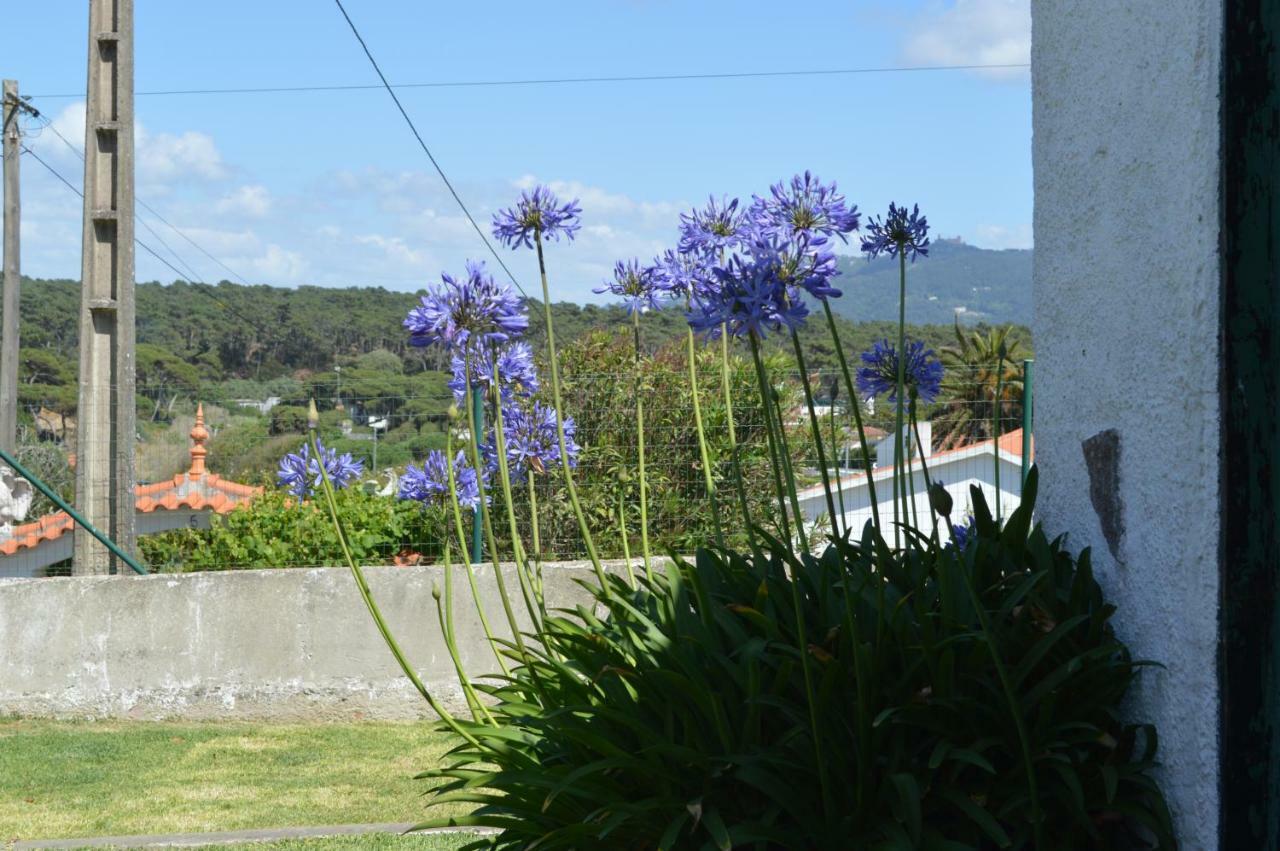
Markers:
(194, 490)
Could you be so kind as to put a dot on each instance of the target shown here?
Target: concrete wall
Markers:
(272, 644)
(1126, 330)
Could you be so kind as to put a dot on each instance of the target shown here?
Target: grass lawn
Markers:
(70, 779)
(369, 842)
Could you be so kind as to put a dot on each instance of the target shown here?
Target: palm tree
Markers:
(968, 405)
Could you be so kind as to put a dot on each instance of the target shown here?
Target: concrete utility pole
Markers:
(12, 272)
(107, 429)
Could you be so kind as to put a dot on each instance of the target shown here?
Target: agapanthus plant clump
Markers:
(300, 472)
(824, 691)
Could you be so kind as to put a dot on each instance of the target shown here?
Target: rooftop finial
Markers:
(199, 434)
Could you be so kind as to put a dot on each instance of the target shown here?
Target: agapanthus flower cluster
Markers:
(900, 233)
(961, 534)
(803, 261)
(640, 287)
(536, 213)
(517, 373)
(806, 208)
(878, 374)
(429, 484)
(300, 471)
(713, 230)
(749, 296)
(529, 433)
(682, 274)
(461, 314)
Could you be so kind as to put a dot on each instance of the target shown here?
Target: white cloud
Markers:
(167, 158)
(396, 249)
(972, 32)
(1002, 236)
(279, 266)
(253, 201)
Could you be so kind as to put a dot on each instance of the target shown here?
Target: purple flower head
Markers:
(517, 373)
(900, 232)
(802, 261)
(429, 484)
(714, 229)
(536, 214)
(878, 374)
(639, 286)
(682, 274)
(531, 441)
(961, 535)
(461, 314)
(300, 472)
(805, 207)
(750, 297)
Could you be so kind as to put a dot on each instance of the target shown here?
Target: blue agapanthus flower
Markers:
(716, 228)
(640, 287)
(300, 471)
(802, 261)
(517, 372)
(429, 484)
(750, 297)
(683, 274)
(536, 213)
(878, 374)
(805, 207)
(961, 534)
(532, 444)
(461, 314)
(900, 232)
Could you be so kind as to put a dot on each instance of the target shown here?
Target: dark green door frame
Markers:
(1249, 683)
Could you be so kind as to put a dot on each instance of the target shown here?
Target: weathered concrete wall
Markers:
(1126, 330)
(271, 644)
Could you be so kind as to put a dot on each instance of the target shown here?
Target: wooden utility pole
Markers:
(12, 272)
(107, 418)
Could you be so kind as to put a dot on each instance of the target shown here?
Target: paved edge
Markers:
(224, 837)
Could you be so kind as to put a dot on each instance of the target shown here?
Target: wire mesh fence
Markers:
(235, 516)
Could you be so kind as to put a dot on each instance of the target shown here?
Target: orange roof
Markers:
(194, 490)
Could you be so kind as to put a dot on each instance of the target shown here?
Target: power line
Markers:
(198, 286)
(152, 210)
(559, 81)
(427, 150)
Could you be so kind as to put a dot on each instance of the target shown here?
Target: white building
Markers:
(958, 469)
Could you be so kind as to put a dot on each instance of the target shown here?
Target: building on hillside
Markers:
(184, 502)
(958, 469)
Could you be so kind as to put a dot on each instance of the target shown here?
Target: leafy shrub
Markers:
(275, 531)
(930, 698)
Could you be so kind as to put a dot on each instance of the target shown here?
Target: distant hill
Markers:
(983, 285)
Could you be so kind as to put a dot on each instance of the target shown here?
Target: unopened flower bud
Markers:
(435, 592)
(940, 500)
(313, 416)
(454, 413)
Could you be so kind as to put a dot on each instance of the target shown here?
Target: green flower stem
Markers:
(462, 542)
(445, 617)
(626, 547)
(734, 455)
(537, 540)
(583, 529)
(767, 410)
(816, 428)
(996, 429)
(924, 469)
(788, 470)
(835, 451)
(900, 461)
(855, 402)
(365, 594)
(644, 490)
(708, 478)
(531, 603)
(488, 525)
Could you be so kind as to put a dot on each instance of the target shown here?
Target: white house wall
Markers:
(1126, 289)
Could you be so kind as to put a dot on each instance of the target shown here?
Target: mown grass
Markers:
(72, 779)
(368, 842)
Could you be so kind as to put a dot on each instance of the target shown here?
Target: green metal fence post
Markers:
(75, 515)
(1028, 415)
(477, 522)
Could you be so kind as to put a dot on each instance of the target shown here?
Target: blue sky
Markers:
(330, 188)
